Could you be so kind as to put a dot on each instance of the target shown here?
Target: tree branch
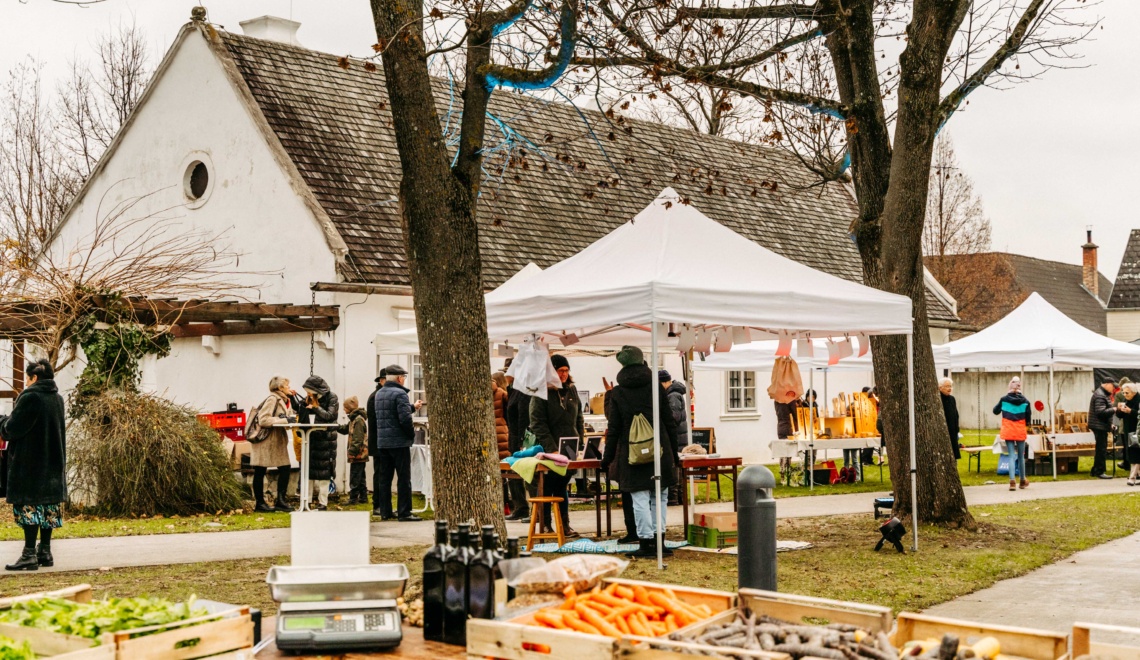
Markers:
(770, 12)
(1007, 50)
(503, 76)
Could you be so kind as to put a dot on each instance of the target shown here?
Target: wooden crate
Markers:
(1015, 642)
(787, 607)
(517, 639)
(230, 631)
(48, 644)
(1082, 644)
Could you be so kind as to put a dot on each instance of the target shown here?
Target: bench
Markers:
(975, 453)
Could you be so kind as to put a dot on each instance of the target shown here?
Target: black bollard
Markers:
(756, 528)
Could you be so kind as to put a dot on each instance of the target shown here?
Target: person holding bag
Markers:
(273, 450)
(1014, 411)
(630, 443)
(1128, 410)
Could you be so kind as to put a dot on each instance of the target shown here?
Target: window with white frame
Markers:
(417, 384)
(740, 392)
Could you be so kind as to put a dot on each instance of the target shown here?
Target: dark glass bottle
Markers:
(455, 588)
(433, 583)
(481, 578)
(512, 553)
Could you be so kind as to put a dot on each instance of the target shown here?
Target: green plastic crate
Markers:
(707, 537)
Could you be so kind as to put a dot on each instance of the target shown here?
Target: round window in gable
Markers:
(197, 181)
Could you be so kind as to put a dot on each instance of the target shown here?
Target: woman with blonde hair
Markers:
(277, 409)
(1128, 410)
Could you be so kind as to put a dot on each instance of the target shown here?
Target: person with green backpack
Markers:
(630, 444)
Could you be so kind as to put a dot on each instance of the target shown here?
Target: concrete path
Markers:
(114, 552)
(1093, 586)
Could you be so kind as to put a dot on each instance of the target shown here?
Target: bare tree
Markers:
(96, 100)
(36, 183)
(956, 223)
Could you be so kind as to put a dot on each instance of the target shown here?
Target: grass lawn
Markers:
(1011, 540)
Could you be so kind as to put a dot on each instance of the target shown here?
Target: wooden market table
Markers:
(413, 647)
(584, 464)
(704, 466)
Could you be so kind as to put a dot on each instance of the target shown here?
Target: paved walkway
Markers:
(1093, 586)
(114, 552)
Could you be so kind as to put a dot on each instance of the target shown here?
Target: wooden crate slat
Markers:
(794, 608)
(1015, 641)
(80, 593)
(1082, 643)
(45, 642)
(215, 637)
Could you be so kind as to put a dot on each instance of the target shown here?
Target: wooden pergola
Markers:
(183, 318)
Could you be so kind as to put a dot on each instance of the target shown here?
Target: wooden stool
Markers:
(536, 505)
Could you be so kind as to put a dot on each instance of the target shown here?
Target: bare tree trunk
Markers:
(441, 238)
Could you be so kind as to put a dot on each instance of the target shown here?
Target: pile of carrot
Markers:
(622, 610)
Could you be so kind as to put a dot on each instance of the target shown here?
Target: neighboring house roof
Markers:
(1061, 284)
(1126, 290)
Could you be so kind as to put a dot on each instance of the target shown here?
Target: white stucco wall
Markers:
(977, 392)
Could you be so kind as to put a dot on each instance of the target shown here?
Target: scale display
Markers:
(344, 630)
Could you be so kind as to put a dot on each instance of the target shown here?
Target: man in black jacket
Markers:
(373, 451)
(518, 419)
(1101, 411)
(395, 435)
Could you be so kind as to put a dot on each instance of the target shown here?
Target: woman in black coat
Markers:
(321, 407)
(633, 396)
(559, 416)
(950, 410)
(1128, 411)
(37, 459)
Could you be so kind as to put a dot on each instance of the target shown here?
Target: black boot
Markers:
(646, 548)
(43, 555)
(26, 562)
(629, 537)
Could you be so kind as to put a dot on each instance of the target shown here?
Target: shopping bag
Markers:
(786, 382)
(640, 441)
(1003, 464)
(1133, 440)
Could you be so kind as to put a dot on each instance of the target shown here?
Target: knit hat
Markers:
(351, 403)
(559, 361)
(630, 356)
(664, 376)
(1015, 384)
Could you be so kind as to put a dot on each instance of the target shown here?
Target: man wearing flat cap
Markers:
(395, 435)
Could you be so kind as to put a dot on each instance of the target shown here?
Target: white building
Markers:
(289, 154)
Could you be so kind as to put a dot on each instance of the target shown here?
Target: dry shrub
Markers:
(136, 454)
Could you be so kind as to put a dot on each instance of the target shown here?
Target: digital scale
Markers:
(347, 608)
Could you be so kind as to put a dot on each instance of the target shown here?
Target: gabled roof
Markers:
(576, 176)
(1126, 291)
(1061, 284)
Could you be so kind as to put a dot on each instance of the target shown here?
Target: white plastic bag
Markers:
(580, 571)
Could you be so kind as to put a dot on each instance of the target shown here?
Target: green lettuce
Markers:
(92, 619)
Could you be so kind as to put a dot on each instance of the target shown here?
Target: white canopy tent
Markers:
(1038, 334)
(761, 356)
(675, 270)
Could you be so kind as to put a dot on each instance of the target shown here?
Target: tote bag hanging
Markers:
(640, 441)
(786, 382)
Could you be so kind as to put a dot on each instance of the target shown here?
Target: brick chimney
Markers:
(272, 28)
(1089, 272)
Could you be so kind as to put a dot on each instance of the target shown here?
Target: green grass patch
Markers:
(1011, 540)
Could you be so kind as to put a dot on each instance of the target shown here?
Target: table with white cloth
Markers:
(792, 448)
(1068, 446)
(421, 474)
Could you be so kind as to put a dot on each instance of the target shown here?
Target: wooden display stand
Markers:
(1084, 646)
(223, 636)
(520, 639)
(1015, 642)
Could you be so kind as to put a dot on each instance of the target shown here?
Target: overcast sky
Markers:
(1048, 157)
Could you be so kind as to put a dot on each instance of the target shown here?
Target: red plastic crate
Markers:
(237, 435)
(224, 420)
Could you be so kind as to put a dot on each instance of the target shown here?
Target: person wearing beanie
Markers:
(1014, 411)
(678, 397)
(357, 431)
(1101, 412)
(630, 398)
(559, 416)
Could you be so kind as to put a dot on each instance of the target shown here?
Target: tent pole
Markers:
(910, 416)
(659, 525)
(809, 469)
(1052, 423)
(825, 404)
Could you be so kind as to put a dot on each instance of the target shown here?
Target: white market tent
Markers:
(672, 265)
(1038, 334)
(761, 356)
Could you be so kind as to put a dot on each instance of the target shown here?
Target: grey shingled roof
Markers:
(551, 202)
(1061, 284)
(1126, 291)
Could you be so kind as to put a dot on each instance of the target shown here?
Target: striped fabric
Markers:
(1014, 410)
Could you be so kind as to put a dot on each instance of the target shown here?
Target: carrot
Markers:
(547, 619)
(621, 625)
(600, 608)
(640, 595)
(623, 592)
(622, 612)
(581, 626)
(671, 623)
(635, 626)
(703, 608)
(657, 628)
(568, 604)
(607, 599)
(684, 615)
(611, 589)
(643, 620)
(669, 593)
(569, 591)
(598, 622)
